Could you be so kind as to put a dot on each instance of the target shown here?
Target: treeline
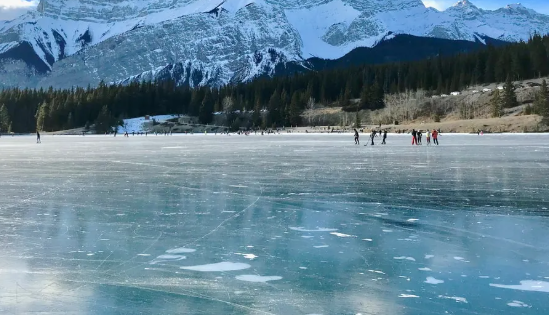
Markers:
(282, 98)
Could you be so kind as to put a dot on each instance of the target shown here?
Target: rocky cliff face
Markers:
(80, 42)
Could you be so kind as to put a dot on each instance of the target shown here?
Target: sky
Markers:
(10, 9)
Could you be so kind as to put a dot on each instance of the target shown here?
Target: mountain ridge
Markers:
(71, 39)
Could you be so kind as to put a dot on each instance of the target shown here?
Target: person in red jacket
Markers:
(435, 136)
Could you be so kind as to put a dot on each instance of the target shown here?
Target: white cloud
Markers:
(438, 4)
(10, 9)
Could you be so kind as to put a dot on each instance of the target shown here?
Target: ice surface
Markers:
(82, 218)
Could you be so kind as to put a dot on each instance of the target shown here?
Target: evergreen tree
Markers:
(541, 103)
(256, 116)
(295, 110)
(205, 115)
(105, 121)
(357, 120)
(70, 122)
(42, 116)
(509, 95)
(273, 114)
(377, 97)
(496, 104)
(5, 121)
(365, 98)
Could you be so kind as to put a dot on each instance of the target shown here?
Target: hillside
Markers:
(468, 111)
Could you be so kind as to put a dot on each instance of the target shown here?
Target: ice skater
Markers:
(419, 136)
(384, 137)
(372, 136)
(38, 137)
(414, 137)
(435, 136)
(357, 141)
(428, 137)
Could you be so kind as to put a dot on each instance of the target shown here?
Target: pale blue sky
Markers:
(541, 6)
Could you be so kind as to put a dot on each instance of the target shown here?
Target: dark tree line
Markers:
(282, 98)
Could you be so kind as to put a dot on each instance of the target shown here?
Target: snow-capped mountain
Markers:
(79, 42)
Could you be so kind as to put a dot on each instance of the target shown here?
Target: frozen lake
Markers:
(279, 224)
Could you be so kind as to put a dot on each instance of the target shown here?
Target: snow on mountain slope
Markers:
(318, 23)
(327, 35)
(80, 42)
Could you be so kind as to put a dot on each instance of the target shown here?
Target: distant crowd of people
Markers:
(417, 136)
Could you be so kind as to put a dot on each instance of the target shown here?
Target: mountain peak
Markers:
(465, 4)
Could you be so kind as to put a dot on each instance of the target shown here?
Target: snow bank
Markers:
(136, 124)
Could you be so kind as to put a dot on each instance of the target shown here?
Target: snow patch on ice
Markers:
(424, 269)
(302, 229)
(456, 298)
(256, 278)
(166, 258)
(405, 258)
(321, 246)
(518, 304)
(180, 250)
(408, 296)
(368, 239)
(526, 285)
(217, 267)
(249, 256)
(429, 256)
(460, 259)
(412, 220)
(431, 280)
(341, 234)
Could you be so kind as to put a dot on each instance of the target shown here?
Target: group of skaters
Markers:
(373, 134)
(417, 136)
